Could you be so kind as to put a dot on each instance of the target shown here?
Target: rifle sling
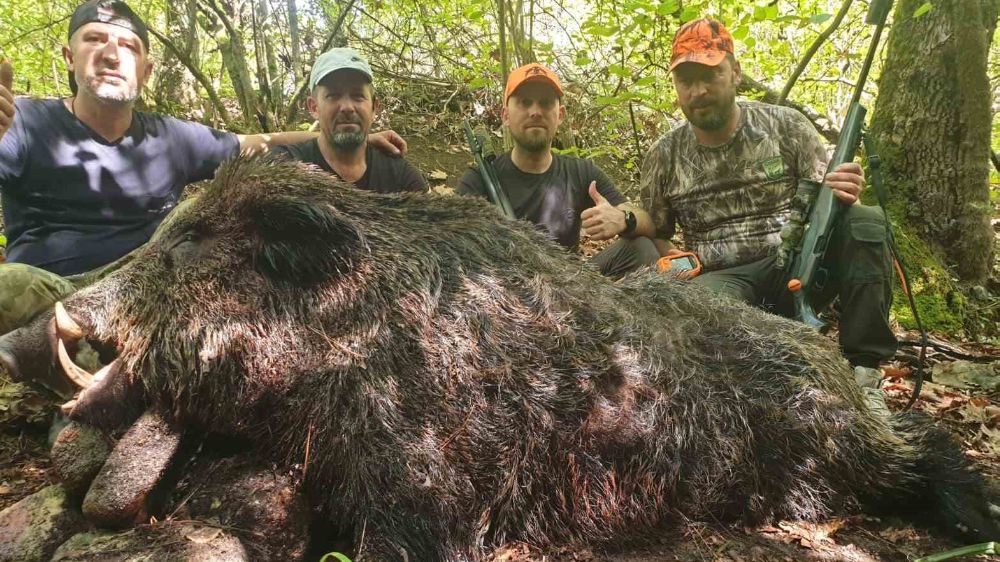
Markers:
(875, 167)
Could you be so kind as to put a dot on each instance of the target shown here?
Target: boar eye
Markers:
(186, 248)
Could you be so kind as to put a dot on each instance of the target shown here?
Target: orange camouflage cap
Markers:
(533, 72)
(704, 41)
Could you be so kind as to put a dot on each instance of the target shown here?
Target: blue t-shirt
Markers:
(73, 201)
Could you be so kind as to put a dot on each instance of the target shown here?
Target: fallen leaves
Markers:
(202, 535)
(807, 534)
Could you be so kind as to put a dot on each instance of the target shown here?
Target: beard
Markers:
(717, 116)
(534, 140)
(118, 94)
(347, 140)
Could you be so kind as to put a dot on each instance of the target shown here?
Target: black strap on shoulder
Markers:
(874, 165)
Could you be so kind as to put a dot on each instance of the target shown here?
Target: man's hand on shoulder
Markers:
(388, 142)
(846, 181)
(6, 96)
(603, 220)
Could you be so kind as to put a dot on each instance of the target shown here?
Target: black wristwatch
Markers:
(629, 221)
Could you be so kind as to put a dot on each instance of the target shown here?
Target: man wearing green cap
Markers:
(343, 101)
(87, 179)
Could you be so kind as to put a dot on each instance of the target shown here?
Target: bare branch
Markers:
(812, 50)
(198, 75)
(302, 89)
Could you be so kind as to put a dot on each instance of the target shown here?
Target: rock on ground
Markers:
(32, 529)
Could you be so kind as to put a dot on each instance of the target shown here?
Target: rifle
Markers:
(494, 191)
(820, 205)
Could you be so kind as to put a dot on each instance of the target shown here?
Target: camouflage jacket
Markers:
(731, 200)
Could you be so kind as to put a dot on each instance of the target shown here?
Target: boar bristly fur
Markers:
(460, 381)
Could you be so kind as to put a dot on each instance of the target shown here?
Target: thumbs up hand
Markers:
(6, 96)
(603, 220)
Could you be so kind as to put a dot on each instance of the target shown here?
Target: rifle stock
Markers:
(822, 217)
(806, 272)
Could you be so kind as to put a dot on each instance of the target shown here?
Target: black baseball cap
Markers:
(114, 12)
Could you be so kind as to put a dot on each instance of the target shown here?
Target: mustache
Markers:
(347, 120)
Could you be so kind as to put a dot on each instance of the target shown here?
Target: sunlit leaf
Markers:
(666, 7)
(923, 9)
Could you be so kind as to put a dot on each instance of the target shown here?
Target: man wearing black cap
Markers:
(86, 180)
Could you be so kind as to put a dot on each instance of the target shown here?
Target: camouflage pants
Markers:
(26, 290)
(860, 274)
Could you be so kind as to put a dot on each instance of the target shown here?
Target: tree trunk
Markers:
(259, 16)
(932, 128)
(277, 77)
(174, 87)
(293, 35)
(220, 24)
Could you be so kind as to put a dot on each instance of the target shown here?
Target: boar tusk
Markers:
(66, 327)
(67, 408)
(107, 370)
(77, 374)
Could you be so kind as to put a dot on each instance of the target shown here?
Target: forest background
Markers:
(241, 65)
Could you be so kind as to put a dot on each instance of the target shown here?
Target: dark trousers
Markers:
(860, 273)
(625, 256)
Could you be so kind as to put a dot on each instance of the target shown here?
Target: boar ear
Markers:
(303, 243)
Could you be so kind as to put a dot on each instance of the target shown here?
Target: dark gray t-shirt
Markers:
(73, 201)
(553, 200)
(384, 173)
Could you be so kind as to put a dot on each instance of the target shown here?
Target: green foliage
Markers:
(334, 557)
(612, 54)
(923, 9)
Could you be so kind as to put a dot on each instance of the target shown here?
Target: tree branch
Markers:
(302, 89)
(812, 50)
(42, 27)
(220, 109)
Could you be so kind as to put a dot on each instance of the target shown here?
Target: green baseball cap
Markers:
(338, 59)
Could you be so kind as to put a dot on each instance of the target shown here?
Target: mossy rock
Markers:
(166, 542)
(32, 529)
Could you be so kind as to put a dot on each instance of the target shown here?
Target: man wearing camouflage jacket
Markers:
(728, 175)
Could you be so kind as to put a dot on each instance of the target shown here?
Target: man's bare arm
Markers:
(386, 141)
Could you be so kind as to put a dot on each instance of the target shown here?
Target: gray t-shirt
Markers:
(731, 200)
(553, 200)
